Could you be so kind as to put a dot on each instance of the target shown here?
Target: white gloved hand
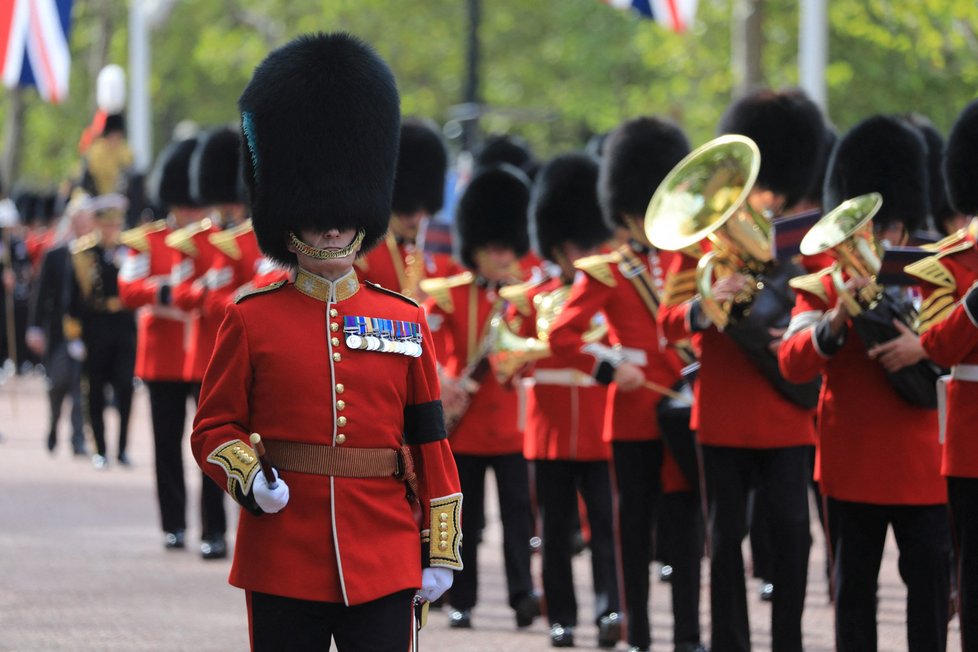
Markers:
(434, 582)
(76, 350)
(270, 500)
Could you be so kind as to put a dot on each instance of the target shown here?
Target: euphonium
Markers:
(705, 196)
(846, 233)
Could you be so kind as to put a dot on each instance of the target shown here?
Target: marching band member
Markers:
(359, 490)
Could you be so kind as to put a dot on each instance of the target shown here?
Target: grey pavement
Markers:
(82, 565)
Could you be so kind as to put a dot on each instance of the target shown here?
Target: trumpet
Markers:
(705, 197)
(846, 233)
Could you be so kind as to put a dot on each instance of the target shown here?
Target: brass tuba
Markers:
(846, 233)
(705, 196)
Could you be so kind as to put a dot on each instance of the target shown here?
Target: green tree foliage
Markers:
(554, 71)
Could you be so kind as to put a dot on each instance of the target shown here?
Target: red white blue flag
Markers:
(676, 15)
(34, 46)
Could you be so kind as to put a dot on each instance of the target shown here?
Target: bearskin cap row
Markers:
(940, 207)
(564, 205)
(638, 155)
(493, 210)
(881, 154)
(168, 183)
(506, 148)
(215, 168)
(321, 125)
(789, 130)
(961, 161)
(421, 165)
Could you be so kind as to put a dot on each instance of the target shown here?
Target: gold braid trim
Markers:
(935, 309)
(680, 287)
(445, 536)
(239, 461)
(325, 254)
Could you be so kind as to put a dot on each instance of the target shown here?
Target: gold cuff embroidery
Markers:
(240, 463)
(445, 536)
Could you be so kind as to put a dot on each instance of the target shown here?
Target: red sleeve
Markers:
(188, 293)
(136, 286)
(677, 299)
(798, 356)
(949, 341)
(437, 321)
(587, 298)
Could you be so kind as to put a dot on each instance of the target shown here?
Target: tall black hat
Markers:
(421, 165)
(881, 154)
(638, 155)
(168, 183)
(493, 210)
(940, 207)
(564, 205)
(789, 130)
(506, 148)
(961, 161)
(321, 124)
(215, 168)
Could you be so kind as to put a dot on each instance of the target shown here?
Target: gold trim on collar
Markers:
(325, 290)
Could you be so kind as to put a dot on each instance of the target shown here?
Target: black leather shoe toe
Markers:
(609, 630)
(527, 609)
(460, 619)
(174, 540)
(767, 591)
(214, 548)
(561, 636)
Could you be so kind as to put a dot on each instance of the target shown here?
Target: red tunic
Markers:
(459, 310)
(874, 447)
(282, 368)
(163, 330)
(950, 338)
(400, 267)
(735, 405)
(193, 256)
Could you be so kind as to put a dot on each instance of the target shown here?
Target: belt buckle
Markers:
(399, 468)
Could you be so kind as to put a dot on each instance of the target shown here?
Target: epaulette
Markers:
(933, 271)
(256, 291)
(440, 289)
(598, 267)
(85, 243)
(392, 293)
(935, 308)
(812, 283)
(183, 239)
(519, 295)
(226, 241)
(137, 238)
(680, 286)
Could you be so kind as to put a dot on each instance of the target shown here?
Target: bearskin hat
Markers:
(114, 122)
(215, 168)
(638, 155)
(421, 164)
(940, 207)
(564, 205)
(789, 130)
(168, 183)
(960, 161)
(509, 149)
(814, 193)
(321, 125)
(881, 154)
(493, 210)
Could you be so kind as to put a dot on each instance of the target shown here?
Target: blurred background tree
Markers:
(553, 71)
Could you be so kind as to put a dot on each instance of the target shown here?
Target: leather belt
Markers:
(965, 372)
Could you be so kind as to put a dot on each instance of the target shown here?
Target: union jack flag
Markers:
(676, 15)
(34, 46)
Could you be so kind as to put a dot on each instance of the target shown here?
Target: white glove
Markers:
(434, 582)
(270, 500)
(76, 350)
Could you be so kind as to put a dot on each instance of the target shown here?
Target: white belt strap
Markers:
(942, 407)
(965, 372)
(563, 377)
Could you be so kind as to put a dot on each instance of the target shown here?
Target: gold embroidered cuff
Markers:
(445, 536)
(240, 463)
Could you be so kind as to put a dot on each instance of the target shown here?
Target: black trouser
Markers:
(513, 485)
(557, 483)
(962, 494)
(923, 538)
(168, 406)
(782, 473)
(110, 363)
(64, 379)
(381, 625)
(641, 505)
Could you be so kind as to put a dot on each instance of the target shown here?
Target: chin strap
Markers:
(325, 254)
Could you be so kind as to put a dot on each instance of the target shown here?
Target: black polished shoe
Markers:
(80, 450)
(561, 636)
(214, 548)
(527, 609)
(174, 540)
(124, 460)
(690, 647)
(52, 441)
(609, 630)
(460, 619)
(635, 648)
(665, 573)
(766, 591)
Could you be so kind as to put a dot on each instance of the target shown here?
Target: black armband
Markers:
(424, 423)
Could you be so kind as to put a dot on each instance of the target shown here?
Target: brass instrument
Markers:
(846, 233)
(705, 196)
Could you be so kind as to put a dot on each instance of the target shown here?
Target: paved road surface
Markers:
(82, 566)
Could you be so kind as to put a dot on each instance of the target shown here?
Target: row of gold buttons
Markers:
(340, 405)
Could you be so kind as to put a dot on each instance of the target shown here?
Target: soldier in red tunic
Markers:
(767, 448)
(339, 378)
(565, 407)
(482, 412)
(879, 455)
(625, 286)
(145, 283)
(400, 262)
